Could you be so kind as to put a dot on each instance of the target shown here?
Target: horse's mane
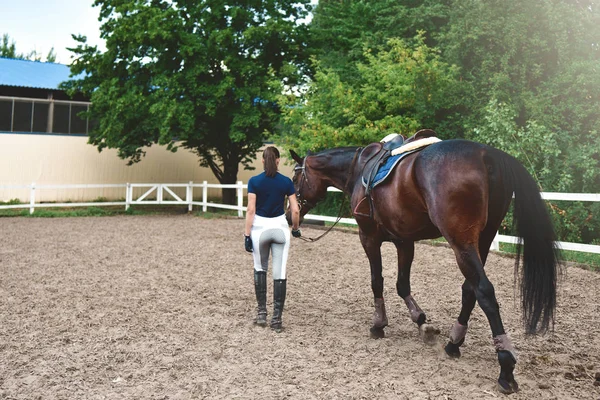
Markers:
(336, 151)
(335, 157)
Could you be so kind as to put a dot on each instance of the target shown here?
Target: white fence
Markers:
(165, 193)
(155, 193)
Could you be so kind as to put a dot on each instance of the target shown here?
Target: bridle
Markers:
(302, 202)
(303, 179)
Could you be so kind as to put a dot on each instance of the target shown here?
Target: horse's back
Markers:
(452, 148)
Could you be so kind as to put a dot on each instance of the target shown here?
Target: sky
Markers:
(43, 24)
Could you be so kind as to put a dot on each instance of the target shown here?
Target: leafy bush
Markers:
(11, 202)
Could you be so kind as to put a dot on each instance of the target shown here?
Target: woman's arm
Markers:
(295, 212)
(250, 212)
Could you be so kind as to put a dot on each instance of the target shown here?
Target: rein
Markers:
(339, 217)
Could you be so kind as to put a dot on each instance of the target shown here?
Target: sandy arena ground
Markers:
(161, 307)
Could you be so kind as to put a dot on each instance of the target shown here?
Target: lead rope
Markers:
(339, 217)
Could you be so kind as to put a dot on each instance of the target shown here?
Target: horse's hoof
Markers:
(429, 334)
(506, 387)
(453, 350)
(377, 333)
(506, 381)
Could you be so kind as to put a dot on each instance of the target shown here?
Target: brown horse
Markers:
(460, 190)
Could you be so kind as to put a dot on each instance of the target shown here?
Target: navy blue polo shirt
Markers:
(270, 193)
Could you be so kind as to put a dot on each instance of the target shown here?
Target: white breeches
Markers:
(270, 235)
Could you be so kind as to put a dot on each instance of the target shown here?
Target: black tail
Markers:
(536, 242)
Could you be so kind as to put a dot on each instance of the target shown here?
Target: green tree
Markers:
(342, 29)
(537, 59)
(8, 49)
(204, 75)
(527, 83)
(545, 73)
(400, 89)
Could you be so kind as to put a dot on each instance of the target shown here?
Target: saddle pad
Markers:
(417, 144)
(385, 169)
(397, 155)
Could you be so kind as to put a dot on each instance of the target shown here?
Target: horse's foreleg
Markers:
(373, 249)
(472, 269)
(406, 252)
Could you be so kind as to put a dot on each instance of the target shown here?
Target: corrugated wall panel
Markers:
(55, 160)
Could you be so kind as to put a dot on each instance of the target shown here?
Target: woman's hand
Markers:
(248, 243)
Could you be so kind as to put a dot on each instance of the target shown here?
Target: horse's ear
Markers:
(296, 157)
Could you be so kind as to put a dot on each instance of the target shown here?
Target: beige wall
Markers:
(55, 160)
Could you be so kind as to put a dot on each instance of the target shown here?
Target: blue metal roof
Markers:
(32, 74)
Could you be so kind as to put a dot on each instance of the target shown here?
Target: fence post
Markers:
(204, 195)
(190, 196)
(495, 244)
(240, 198)
(127, 196)
(159, 193)
(32, 198)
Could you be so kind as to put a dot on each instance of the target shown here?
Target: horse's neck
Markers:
(339, 170)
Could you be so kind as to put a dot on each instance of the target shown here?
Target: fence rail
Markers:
(163, 193)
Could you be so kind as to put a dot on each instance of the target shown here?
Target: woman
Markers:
(267, 231)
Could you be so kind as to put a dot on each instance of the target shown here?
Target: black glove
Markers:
(248, 243)
(296, 233)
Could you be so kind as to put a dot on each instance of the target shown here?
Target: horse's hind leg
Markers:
(459, 329)
(406, 252)
(372, 248)
(472, 268)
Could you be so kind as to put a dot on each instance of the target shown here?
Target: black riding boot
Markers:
(260, 287)
(279, 289)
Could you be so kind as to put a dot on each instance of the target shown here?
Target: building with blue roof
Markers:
(31, 100)
(43, 140)
(32, 74)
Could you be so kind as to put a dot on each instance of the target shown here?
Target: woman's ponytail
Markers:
(270, 156)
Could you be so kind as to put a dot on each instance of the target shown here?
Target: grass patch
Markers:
(81, 212)
(106, 211)
(216, 213)
(95, 211)
(14, 213)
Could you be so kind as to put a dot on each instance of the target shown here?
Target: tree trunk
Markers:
(229, 196)
(230, 171)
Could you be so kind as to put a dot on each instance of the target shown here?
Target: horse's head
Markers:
(310, 186)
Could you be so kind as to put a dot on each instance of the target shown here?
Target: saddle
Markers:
(376, 155)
